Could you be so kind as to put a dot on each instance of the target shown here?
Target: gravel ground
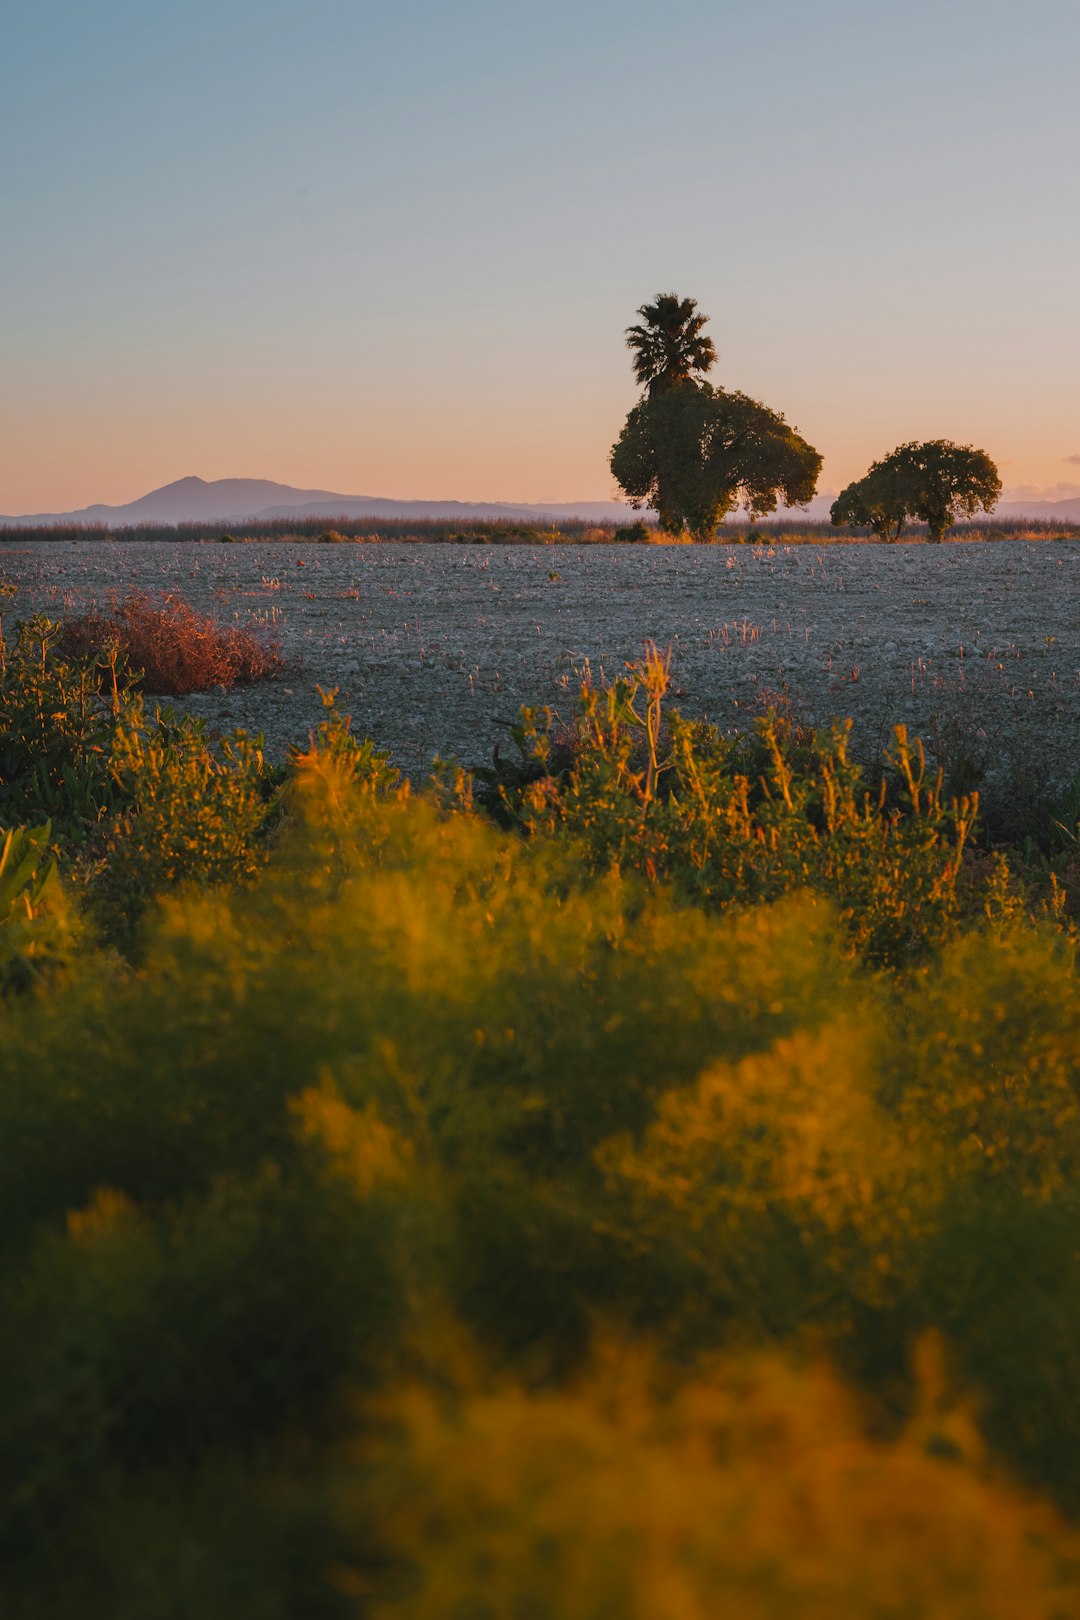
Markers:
(974, 646)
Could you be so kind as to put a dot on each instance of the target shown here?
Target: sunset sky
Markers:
(390, 249)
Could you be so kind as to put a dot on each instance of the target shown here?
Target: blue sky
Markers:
(391, 249)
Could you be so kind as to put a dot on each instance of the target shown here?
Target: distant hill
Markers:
(241, 500)
(235, 500)
(1053, 511)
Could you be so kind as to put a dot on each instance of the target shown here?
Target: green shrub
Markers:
(335, 765)
(321, 1219)
(429, 1096)
(56, 724)
(732, 821)
(151, 802)
(194, 810)
(752, 1490)
(33, 923)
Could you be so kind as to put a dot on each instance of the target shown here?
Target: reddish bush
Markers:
(171, 648)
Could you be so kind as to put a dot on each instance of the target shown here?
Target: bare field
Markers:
(435, 648)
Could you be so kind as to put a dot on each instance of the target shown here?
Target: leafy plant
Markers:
(752, 1489)
(568, 1224)
(194, 810)
(738, 821)
(335, 765)
(57, 714)
(31, 931)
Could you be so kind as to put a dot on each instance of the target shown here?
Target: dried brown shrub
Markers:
(172, 648)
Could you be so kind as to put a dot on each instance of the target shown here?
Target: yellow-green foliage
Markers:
(55, 726)
(752, 1489)
(192, 810)
(726, 821)
(321, 1224)
(34, 928)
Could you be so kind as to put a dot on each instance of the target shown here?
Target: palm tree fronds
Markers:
(668, 347)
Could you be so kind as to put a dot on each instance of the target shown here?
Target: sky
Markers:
(391, 248)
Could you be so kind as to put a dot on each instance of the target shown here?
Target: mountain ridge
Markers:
(243, 500)
(225, 500)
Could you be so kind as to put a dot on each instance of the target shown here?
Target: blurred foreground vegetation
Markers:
(641, 1180)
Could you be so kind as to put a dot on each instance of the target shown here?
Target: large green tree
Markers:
(668, 344)
(693, 452)
(935, 481)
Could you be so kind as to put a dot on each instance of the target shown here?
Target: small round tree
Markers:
(935, 482)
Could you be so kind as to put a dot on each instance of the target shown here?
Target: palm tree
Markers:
(669, 345)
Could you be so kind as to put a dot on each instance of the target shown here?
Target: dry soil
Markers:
(975, 646)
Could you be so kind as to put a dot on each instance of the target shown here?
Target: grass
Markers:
(640, 1183)
(785, 530)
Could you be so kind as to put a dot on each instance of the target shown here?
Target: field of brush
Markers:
(640, 1180)
(435, 648)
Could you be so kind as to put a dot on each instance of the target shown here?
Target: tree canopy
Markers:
(693, 452)
(878, 501)
(935, 482)
(668, 346)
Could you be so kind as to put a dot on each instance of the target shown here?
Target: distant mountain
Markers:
(238, 500)
(188, 500)
(235, 500)
(1067, 511)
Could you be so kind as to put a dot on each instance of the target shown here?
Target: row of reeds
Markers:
(434, 531)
